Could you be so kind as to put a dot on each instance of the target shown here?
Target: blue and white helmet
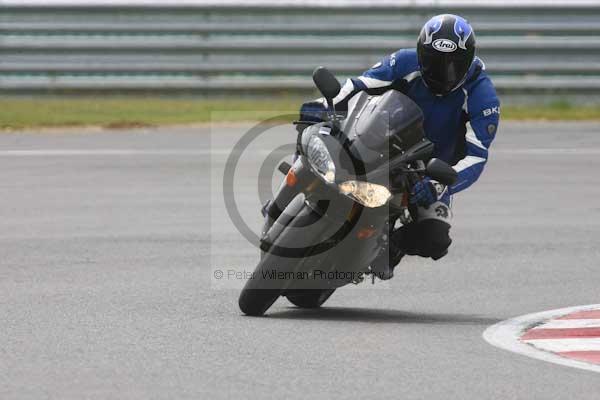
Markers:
(445, 48)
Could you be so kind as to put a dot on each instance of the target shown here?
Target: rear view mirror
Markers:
(327, 83)
(441, 171)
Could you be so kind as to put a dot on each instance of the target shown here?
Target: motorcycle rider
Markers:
(461, 114)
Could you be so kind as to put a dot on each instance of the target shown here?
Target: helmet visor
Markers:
(443, 72)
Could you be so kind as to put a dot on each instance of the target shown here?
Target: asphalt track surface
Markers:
(108, 242)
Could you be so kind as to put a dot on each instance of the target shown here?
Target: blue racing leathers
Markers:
(461, 125)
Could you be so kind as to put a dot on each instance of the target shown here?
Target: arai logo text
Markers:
(444, 45)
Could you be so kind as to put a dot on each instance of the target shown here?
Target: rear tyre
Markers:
(309, 298)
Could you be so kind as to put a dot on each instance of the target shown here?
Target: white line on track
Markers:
(119, 152)
(227, 151)
(550, 152)
(506, 335)
(100, 152)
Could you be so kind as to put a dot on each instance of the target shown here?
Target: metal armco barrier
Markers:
(209, 50)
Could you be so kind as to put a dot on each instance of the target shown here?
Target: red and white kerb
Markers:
(575, 335)
(567, 336)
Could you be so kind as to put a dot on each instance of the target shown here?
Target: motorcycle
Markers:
(338, 202)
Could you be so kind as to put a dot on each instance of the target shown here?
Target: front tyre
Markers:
(263, 289)
(255, 302)
(309, 298)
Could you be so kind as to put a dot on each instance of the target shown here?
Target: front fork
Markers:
(288, 189)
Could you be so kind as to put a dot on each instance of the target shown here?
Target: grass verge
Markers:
(135, 112)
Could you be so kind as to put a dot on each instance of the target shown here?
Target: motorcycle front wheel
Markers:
(309, 298)
(255, 302)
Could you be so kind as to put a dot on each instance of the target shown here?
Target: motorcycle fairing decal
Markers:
(325, 130)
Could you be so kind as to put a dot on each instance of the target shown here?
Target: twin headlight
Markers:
(320, 159)
(368, 194)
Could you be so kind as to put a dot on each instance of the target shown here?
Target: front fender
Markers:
(299, 217)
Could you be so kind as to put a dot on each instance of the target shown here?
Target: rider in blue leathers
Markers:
(461, 114)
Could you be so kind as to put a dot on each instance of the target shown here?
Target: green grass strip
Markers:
(19, 113)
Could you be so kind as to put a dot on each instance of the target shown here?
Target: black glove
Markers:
(313, 111)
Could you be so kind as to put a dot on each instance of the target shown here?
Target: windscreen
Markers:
(380, 126)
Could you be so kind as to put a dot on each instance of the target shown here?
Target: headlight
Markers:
(320, 159)
(367, 194)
